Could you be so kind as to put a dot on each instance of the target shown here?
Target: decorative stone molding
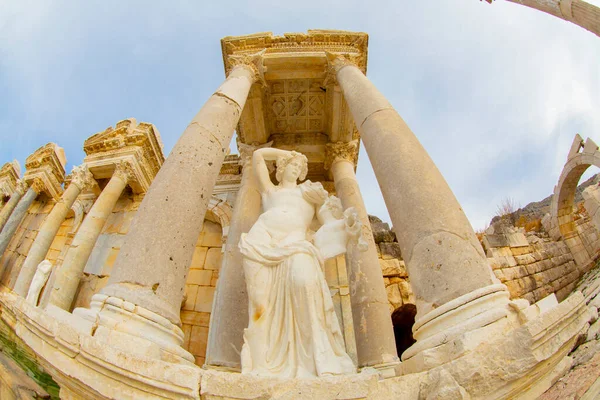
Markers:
(246, 151)
(124, 171)
(21, 187)
(9, 175)
(335, 152)
(220, 212)
(82, 177)
(138, 144)
(48, 165)
(252, 61)
(38, 185)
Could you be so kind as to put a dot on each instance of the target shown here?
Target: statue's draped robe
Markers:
(293, 330)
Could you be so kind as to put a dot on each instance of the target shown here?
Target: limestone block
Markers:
(381, 232)
(501, 252)
(204, 299)
(211, 235)
(195, 318)
(593, 331)
(199, 257)
(191, 292)
(393, 267)
(390, 250)
(214, 259)
(198, 339)
(496, 240)
(517, 239)
(406, 291)
(187, 332)
(214, 279)
(525, 259)
(199, 277)
(393, 295)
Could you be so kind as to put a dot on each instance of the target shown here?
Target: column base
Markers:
(135, 329)
(451, 330)
(386, 370)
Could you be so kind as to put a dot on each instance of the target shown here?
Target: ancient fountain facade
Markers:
(146, 296)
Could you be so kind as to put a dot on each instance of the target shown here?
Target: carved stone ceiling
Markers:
(296, 106)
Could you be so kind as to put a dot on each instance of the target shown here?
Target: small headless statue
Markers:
(38, 282)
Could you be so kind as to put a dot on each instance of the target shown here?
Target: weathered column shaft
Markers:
(442, 254)
(375, 343)
(579, 12)
(70, 271)
(15, 219)
(10, 206)
(229, 317)
(48, 231)
(152, 266)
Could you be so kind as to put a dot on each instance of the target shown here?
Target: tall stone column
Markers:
(229, 315)
(18, 214)
(70, 271)
(149, 274)
(12, 203)
(375, 342)
(454, 286)
(80, 178)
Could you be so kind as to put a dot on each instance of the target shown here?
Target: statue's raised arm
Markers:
(259, 165)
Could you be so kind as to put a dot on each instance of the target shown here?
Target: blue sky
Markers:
(494, 92)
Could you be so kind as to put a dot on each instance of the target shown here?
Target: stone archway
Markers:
(561, 222)
(219, 211)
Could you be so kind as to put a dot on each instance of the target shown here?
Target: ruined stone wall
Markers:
(535, 267)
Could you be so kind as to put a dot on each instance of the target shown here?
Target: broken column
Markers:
(375, 343)
(148, 277)
(455, 288)
(80, 178)
(227, 323)
(69, 273)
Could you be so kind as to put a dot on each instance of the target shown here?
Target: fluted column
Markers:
(70, 271)
(12, 203)
(149, 274)
(447, 267)
(80, 178)
(579, 12)
(375, 343)
(17, 215)
(229, 317)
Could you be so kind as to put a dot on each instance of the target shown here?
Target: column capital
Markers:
(335, 62)
(246, 151)
(124, 171)
(341, 151)
(82, 177)
(21, 187)
(253, 62)
(38, 185)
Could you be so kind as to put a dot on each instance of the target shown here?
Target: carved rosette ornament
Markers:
(254, 62)
(21, 187)
(82, 177)
(124, 171)
(38, 185)
(341, 151)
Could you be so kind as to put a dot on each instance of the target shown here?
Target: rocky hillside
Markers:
(538, 209)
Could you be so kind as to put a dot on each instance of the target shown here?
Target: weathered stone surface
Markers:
(390, 250)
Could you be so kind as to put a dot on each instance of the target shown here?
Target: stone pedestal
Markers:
(68, 275)
(17, 216)
(12, 203)
(444, 259)
(373, 329)
(229, 315)
(151, 268)
(80, 178)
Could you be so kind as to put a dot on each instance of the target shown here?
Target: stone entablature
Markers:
(9, 175)
(47, 165)
(137, 144)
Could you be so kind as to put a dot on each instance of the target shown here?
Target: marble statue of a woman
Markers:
(293, 331)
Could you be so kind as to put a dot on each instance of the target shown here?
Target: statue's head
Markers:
(331, 209)
(292, 167)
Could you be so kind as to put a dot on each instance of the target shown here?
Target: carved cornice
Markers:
(81, 177)
(341, 151)
(344, 42)
(47, 164)
(9, 175)
(254, 62)
(139, 144)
